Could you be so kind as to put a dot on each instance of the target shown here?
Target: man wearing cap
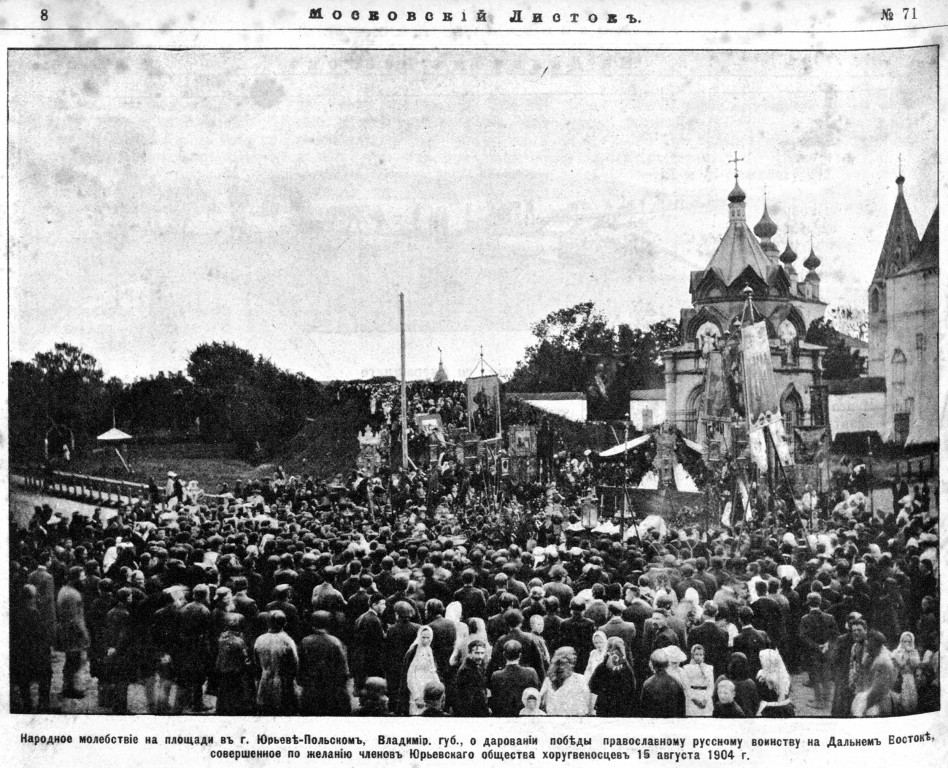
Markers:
(368, 643)
(662, 695)
(323, 671)
(194, 646)
(276, 656)
(283, 601)
(840, 659)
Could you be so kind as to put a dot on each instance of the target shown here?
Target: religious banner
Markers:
(760, 386)
(717, 401)
(607, 393)
(522, 440)
(483, 405)
(369, 459)
(429, 424)
(814, 456)
(523, 469)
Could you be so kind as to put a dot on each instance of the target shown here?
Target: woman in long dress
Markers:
(773, 685)
(420, 669)
(906, 660)
(698, 680)
(564, 692)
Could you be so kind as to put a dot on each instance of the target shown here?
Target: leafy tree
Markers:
(570, 341)
(566, 340)
(839, 361)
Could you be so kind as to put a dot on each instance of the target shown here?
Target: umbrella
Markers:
(114, 436)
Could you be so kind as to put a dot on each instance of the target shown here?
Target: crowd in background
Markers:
(451, 592)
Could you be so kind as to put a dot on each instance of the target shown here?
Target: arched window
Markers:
(791, 408)
(898, 373)
(874, 300)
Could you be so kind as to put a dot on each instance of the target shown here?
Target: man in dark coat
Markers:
(508, 684)
(445, 633)
(323, 671)
(531, 656)
(817, 630)
(472, 599)
(398, 640)
(713, 638)
(768, 617)
(750, 641)
(30, 652)
(840, 658)
(368, 644)
(194, 646)
(617, 627)
(471, 684)
(577, 632)
(283, 601)
(662, 695)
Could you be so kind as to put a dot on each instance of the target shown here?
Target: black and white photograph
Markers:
(473, 382)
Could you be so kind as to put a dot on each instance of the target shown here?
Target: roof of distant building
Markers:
(901, 238)
(926, 256)
(862, 385)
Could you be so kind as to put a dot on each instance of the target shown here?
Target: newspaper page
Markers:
(259, 255)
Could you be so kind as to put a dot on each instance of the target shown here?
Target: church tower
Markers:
(718, 297)
(901, 241)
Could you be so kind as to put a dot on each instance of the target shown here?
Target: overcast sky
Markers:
(280, 200)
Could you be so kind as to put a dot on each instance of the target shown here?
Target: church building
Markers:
(903, 327)
(788, 303)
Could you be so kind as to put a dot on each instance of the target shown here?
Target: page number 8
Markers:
(44, 15)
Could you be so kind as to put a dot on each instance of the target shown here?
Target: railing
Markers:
(99, 491)
(918, 468)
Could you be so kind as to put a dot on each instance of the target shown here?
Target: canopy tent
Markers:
(114, 436)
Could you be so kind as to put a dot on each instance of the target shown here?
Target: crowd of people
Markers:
(448, 595)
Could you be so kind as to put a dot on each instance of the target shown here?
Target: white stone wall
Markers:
(857, 412)
(912, 309)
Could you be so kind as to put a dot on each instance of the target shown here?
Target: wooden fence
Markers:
(99, 491)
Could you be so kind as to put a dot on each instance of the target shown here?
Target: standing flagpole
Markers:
(401, 314)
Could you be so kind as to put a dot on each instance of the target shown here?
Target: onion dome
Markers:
(789, 255)
(737, 194)
(765, 228)
(812, 261)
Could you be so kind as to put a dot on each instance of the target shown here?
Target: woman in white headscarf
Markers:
(598, 653)
(773, 685)
(420, 669)
(906, 660)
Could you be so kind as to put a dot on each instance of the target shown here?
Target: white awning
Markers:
(619, 449)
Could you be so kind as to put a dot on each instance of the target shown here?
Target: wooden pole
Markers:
(401, 313)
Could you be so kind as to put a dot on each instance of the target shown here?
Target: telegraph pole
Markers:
(401, 314)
